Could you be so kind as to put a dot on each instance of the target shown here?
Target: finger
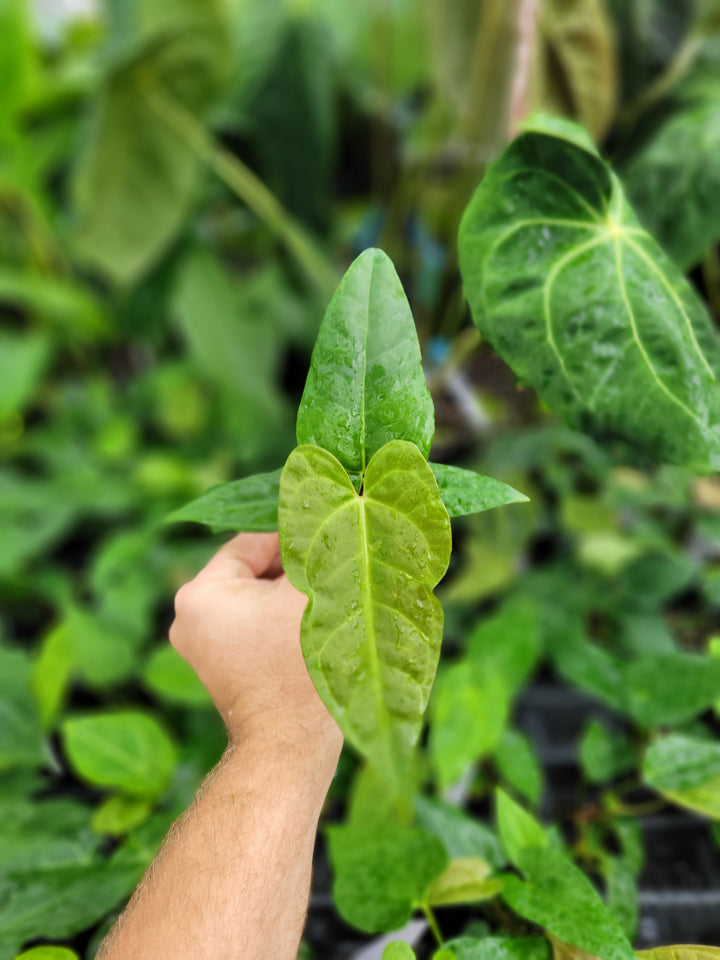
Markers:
(247, 555)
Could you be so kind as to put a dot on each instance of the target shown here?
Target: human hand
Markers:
(238, 626)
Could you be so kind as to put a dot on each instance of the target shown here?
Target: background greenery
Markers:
(182, 183)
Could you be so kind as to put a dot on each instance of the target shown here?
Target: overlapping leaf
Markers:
(371, 632)
(584, 305)
(686, 770)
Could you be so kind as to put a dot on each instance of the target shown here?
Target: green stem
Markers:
(247, 186)
(432, 923)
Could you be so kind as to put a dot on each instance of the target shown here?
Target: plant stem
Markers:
(247, 186)
(432, 923)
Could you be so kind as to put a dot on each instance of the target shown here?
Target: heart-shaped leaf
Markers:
(372, 630)
(583, 304)
(366, 386)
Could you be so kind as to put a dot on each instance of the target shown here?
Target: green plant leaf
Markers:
(465, 880)
(371, 632)
(126, 749)
(23, 359)
(682, 952)
(118, 815)
(48, 953)
(686, 771)
(366, 386)
(518, 765)
(560, 898)
(397, 950)
(500, 948)
(250, 505)
(583, 304)
(21, 738)
(461, 835)
(171, 678)
(674, 180)
(381, 875)
(603, 753)
(518, 829)
(464, 491)
(135, 178)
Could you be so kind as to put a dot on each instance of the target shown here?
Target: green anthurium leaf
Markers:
(136, 175)
(686, 771)
(560, 898)
(382, 874)
(583, 304)
(466, 880)
(398, 950)
(48, 953)
(250, 505)
(372, 630)
(674, 180)
(461, 835)
(465, 492)
(682, 952)
(366, 386)
(125, 749)
(518, 829)
(500, 948)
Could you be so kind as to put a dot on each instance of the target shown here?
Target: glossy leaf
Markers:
(136, 175)
(371, 632)
(560, 898)
(674, 180)
(464, 492)
(500, 948)
(581, 302)
(686, 771)
(250, 505)
(366, 386)
(381, 875)
(123, 749)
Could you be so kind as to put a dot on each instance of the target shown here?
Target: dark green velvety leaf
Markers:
(127, 749)
(686, 771)
(136, 175)
(371, 632)
(674, 180)
(366, 385)
(465, 492)
(500, 948)
(381, 875)
(461, 835)
(249, 505)
(583, 304)
(560, 898)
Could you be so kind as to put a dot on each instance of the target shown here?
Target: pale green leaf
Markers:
(365, 386)
(23, 359)
(371, 632)
(48, 953)
(127, 750)
(584, 305)
(681, 952)
(560, 898)
(249, 505)
(519, 830)
(381, 875)
(119, 814)
(686, 771)
(465, 492)
(604, 753)
(465, 880)
(518, 765)
(461, 834)
(397, 950)
(171, 678)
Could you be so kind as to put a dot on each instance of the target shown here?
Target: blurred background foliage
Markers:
(182, 183)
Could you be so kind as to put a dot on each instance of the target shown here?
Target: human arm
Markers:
(232, 878)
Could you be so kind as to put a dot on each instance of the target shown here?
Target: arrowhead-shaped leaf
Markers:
(583, 304)
(465, 492)
(366, 385)
(371, 632)
(250, 504)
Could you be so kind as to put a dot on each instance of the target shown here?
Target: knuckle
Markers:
(186, 600)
